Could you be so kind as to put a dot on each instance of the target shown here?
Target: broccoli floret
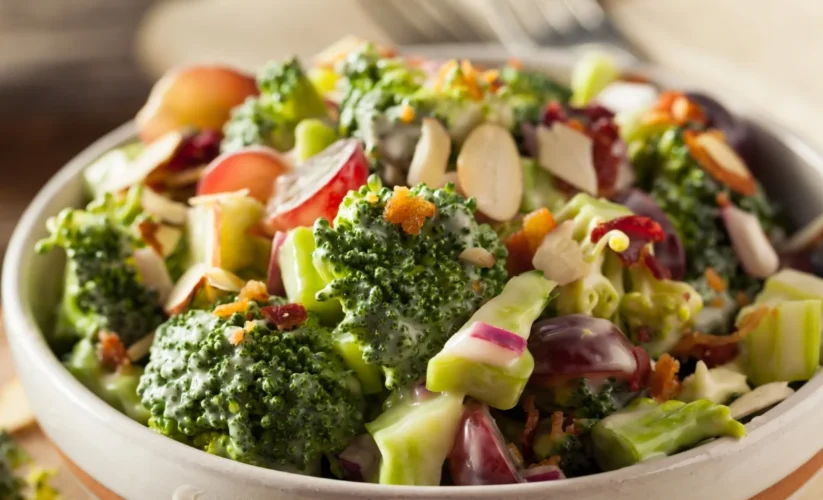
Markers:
(287, 96)
(12, 457)
(688, 195)
(239, 388)
(594, 402)
(528, 91)
(404, 294)
(574, 449)
(647, 429)
(103, 288)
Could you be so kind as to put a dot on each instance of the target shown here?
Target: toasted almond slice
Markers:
(162, 207)
(15, 412)
(806, 238)
(140, 349)
(153, 271)
(717, 158)
(761, 398)
(196, 277)
(431, 155)
(560, 256)
(478, 256)
(154, 156)
(752, 246)
(167, 237)
(489, 170)
(567, 154)
(207, 199)
(185, 177)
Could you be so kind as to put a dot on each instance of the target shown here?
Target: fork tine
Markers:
(587, 12)
(557, 15)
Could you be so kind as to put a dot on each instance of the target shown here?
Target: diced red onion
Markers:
(274, 282)
(543, 473)
(756, 253)
(487, 344)
(360, 459)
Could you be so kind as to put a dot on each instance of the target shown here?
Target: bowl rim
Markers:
(26, 336)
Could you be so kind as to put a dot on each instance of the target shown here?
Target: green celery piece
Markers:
(539, 189)
(591, 75)
(646, 429)
(515, 309)
(118, 389)
(785, 345)
(718, 384)
(312, 136)
(369, 375)
(415, 438)
(300, 278)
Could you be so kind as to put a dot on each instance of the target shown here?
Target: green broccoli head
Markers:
(287, 96)
(237, 387)
(404, 294)
(688, 196)
(103, 287)
(12, 457)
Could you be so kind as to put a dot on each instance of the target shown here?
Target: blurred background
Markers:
(72, 70)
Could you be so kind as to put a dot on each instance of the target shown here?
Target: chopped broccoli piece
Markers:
(688, 196)
(103, 289)
(415, 437)
(117, 388)
(785, 344)
(574, 450)
(287, 96)
(403, 295)
(300, 278)
(718, 385)
(515, 309)
(12, 457)
(276, 399)
(528, 91)
(593, 401)
(647, 429)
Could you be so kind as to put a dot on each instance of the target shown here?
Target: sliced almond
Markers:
(478, 256)
(567, 154)
(15, 412)
(717, 158)
(140, 349)
(759, 399)
(196, 277)
(153, 271)
(751, 245)
(431, 155)
(154, 156)
(163, 208)
(806, 238)
(489, 170)
(208, 199)
(185, 177)
(560, 257)
(627, 97)
(168, 238)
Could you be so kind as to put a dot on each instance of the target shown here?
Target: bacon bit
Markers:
(532, 420)
(699, 345)
(520, 256)
(743, 299)
(640, 378)
(372, 198)
(515, 63)
(557, 425)
(536, 225)
(226, 310)
(717, 302)
(714, 280)
(285, 317)
(111, 351)
(490, 76)
(515, 453)
(409, 211)
(675, 108)
(236, 336)
(664, 383)
(148, 233)
(406, 113)
(254, 290)
(741, 182)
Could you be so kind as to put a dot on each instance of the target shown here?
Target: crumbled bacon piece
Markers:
(148, 233)
(111, 351)
(556, 431)
(714, 280)
(409, 211)
(285, 317)
(226, 310)
(520, 258)
(664, 383)
(532, 419)
(254, 290)
(675, 108)
(716, 347)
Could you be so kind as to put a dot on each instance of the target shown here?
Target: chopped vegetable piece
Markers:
(719, 385)
(410, 212)
(111, 351)
(415, 437)
(719, 159)
(664, 384)
(514, 310)
(760, 399)
(312, 136)
(645, 430)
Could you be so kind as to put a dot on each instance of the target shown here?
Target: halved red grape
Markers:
(479, 455)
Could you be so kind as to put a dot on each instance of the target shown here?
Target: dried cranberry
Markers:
(197, 149)
(640, 230)
(657, 269)
(285, 317)
(554, 112)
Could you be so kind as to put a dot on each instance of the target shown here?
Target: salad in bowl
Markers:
(388, 269)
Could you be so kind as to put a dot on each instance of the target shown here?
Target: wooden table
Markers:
(804, 484)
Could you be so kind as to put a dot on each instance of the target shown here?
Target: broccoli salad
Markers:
(387, 269)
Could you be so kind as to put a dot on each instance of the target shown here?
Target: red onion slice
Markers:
(543, 473)
(360, 459)
(488, 344)
(274, 282)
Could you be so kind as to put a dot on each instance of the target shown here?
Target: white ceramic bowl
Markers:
(136, 463)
